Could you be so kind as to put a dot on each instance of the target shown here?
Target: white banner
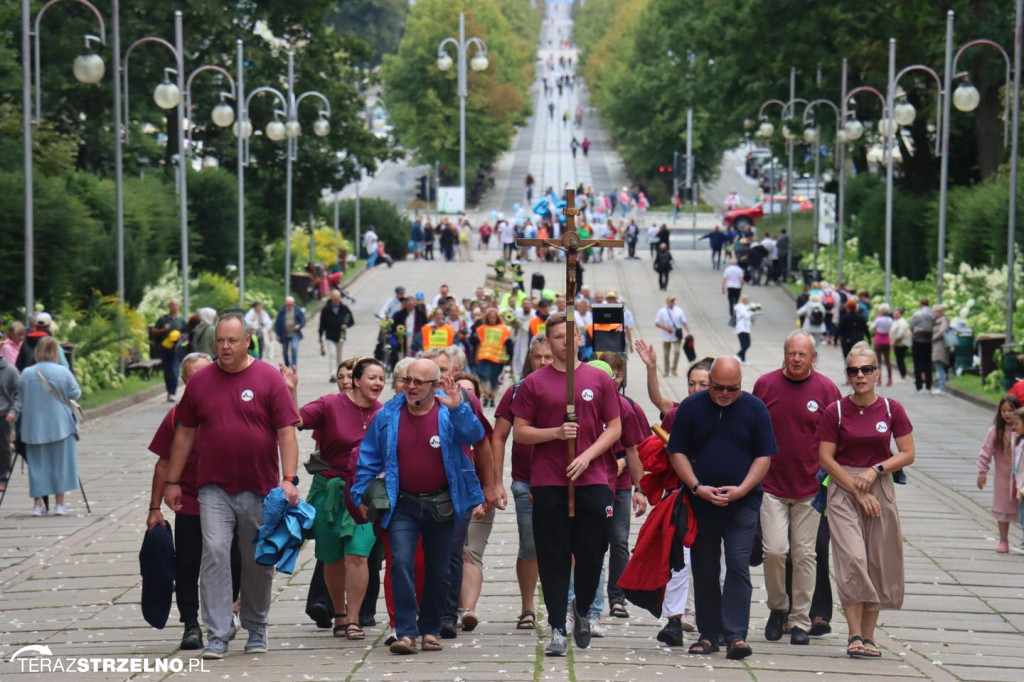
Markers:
(827, 218)
(450, 200)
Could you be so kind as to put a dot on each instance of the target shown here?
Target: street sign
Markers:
(400, 178)
(827, 218)
(451, 200)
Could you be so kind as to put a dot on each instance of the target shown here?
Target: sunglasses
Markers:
(722, 388)
(866, 370)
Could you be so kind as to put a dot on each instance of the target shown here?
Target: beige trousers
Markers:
(867, 553)
(333, 350)
(789, 526)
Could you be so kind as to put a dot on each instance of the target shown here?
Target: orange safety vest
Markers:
(437, 337)
(537, 326)
(492, 342)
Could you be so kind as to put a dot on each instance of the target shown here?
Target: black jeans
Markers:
(744, 345)
(716, 258)
(663, 280)
(5, 449)
(188, 556)
(631, 247)
(733, 296)
(922, 364)
(821, 601)
(618, 544)
(451, 605)
(559, 539)
(901, 360)
(723, 613)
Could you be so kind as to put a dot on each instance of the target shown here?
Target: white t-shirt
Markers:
(670, 317)
(733, 276)
(370, 242)
(652, 233)
(507, 232)
(743, 316)
(772, 246)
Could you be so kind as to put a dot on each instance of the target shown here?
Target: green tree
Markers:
(422, 100)
(380, 23)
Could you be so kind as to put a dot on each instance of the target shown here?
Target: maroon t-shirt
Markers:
(635, 428)
(521, 453)
(863, 440)
(796, 408)
(541, 401)
(238, 415)
(161, 447)
(420, 467)
(670, 416)
(338, 427)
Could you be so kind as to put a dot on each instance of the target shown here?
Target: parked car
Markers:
(749, 215)
(755, 159)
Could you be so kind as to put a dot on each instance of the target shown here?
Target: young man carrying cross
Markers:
(571, 504)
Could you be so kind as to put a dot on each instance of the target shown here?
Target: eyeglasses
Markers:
(866, 370)
(722, 388)
(416, 383)
(401, 380)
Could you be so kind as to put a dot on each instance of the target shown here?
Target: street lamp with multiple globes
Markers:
(276, 131)
(479, 62)
(812, 136)
(88, 68)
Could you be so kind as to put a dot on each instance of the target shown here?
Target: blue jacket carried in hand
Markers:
(279, 539)
(379, 452)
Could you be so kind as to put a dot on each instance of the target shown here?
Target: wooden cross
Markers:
(571, 244)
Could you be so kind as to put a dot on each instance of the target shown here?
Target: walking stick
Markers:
(571, 244)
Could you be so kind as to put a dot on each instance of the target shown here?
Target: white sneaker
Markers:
(938, 391)
(60, 510)
(39, 510)
(596, 629)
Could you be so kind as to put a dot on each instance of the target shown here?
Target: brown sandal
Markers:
(404, 646)
(431, 643)
(527, 621)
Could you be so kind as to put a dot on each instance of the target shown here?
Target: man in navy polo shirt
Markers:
(720, 447)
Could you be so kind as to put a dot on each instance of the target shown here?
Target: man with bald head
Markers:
(288, 329)
(720, 446)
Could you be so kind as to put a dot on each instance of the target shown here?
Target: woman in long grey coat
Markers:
(49, 427)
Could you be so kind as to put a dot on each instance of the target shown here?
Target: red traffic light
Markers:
(661, 169)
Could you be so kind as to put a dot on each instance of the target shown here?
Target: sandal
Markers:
(738, 650)
(339, 630)
(871, 649)
(618, 610)
(703, 647)
(856, 650)
(527, 621)
(404, 646)
(354, 633)
(431, 643)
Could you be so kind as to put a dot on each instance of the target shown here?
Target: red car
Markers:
(744, 217)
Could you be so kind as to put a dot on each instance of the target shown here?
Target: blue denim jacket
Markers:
(379, 453)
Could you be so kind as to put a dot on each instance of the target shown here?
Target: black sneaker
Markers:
(192, 638)
(321, 615)
(672, 633)
(773, 630)
(448, 628)
(580, 627)
(798, 636)
(368, 621)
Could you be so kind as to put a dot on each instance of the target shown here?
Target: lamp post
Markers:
(812, 135)
(479, 62)
(965, 98)
(276, 131)
(88, 68)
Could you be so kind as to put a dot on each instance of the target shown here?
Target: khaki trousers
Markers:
(333, 353)
(789, 526)
(867, 553)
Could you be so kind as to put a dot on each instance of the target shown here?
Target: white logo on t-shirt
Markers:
(587, 394)
(247, 395)
(881, 427)
(435, 441)
(812, 405)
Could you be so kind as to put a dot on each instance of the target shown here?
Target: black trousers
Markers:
(901, 360)
(733, 297)
(821, 601)
(5, 449)
(560, 539)
(922, 364)
(723, 613)
(663, 280)
(188, 555)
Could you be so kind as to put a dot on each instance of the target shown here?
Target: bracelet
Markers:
(178, 483)
(154, 509)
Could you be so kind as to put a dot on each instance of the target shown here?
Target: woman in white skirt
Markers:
(49, 427)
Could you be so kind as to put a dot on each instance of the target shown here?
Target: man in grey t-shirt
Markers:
(921, 324)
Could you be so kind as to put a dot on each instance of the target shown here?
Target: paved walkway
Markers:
(72, 583)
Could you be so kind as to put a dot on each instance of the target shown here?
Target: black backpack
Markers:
(817, 316)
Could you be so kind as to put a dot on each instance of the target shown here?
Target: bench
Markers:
(145, 367)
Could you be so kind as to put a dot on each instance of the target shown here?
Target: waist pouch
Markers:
(439, 504)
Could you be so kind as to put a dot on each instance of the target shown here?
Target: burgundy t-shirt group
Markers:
(338, 428)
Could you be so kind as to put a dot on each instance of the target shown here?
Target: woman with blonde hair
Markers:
(883, 344)
(854, 446)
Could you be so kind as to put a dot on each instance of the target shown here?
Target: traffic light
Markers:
(423, 188)
(665, 171)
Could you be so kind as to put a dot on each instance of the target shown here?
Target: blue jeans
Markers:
(940, 370)
(409, 522)
(169, 364)
(723, 612)
(290, 350)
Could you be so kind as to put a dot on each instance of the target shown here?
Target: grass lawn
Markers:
(971, 383)
(132, 385)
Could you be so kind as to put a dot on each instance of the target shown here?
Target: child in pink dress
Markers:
(997, 453)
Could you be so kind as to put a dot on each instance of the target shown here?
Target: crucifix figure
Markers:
(571, 244)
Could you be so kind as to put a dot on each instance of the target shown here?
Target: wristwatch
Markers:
(294, 480)
(694, 488)
(880, 469)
